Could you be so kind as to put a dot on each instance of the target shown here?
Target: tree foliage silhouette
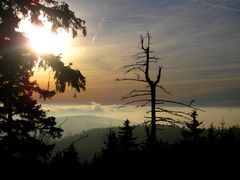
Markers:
(24, 126)
(194, 131)
(127, 141)
(67, 159)
(149, 95)
(110, 153)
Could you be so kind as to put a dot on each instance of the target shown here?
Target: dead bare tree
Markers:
(148, 95)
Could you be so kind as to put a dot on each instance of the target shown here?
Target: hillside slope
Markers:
(92, 144)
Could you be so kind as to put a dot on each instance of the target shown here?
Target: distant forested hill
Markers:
(96, 128)
(92, 144)
(73, 125)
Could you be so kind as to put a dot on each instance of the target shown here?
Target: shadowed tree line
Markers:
(198, 147)
(199, 150)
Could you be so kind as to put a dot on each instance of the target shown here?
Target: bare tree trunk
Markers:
(149, 96)
(153, 113)
(153, 94)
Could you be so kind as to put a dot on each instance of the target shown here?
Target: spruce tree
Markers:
(126, 139)
(193, 131)
(110, 152)
(67, 160)
(26, 131)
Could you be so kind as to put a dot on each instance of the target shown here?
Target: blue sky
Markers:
(197, 41)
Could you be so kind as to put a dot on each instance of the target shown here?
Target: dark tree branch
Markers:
(79, 139)
(74, 142)
(169, 120)
(133, 65)
(175, 113)
(158, 76)
(142, 43)
(138, 91)
(130, 79)
(163, 89)
(134, 68)
(144, 104)
(135, 95)
(137, 101)
(179, 112)
(140, 57)
(160, 101)
(164, 119)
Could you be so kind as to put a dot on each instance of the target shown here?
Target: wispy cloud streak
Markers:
(98, 30)
(216, 5)
(197, 41)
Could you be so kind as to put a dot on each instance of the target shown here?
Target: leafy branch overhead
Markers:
(58, 13)
(26, 132)
(60, 16)
(64, 75)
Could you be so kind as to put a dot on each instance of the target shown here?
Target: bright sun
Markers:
(42, 39)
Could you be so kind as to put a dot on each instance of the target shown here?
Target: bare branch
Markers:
(148, 39)
(176, 114)
(135, 95)
(137, 101)
(169, 120)
(158, 76)
(172, 102)
(131, 79)
(164, 119)
(140, 64)
(154, 59)
(134, 68)
(144, 104)
(140, 57)
(138, 91)
(160, 101)
(163, 89)
(140, 53)
(60, 125)
(172, 112)
(147, 67)
(179, 112)
(74, 142)
(146, 122)
(142, 42)
(151, 61)
(79, 139)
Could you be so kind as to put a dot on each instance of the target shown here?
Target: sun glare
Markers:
(42, 39)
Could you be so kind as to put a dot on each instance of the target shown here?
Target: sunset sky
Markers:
(197, 41)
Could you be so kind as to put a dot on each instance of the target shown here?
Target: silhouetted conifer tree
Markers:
(67, 160)
(109, 156)
(110, 152)
(127, 141)
(211, 135)
(26, 132)
(194, 131)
